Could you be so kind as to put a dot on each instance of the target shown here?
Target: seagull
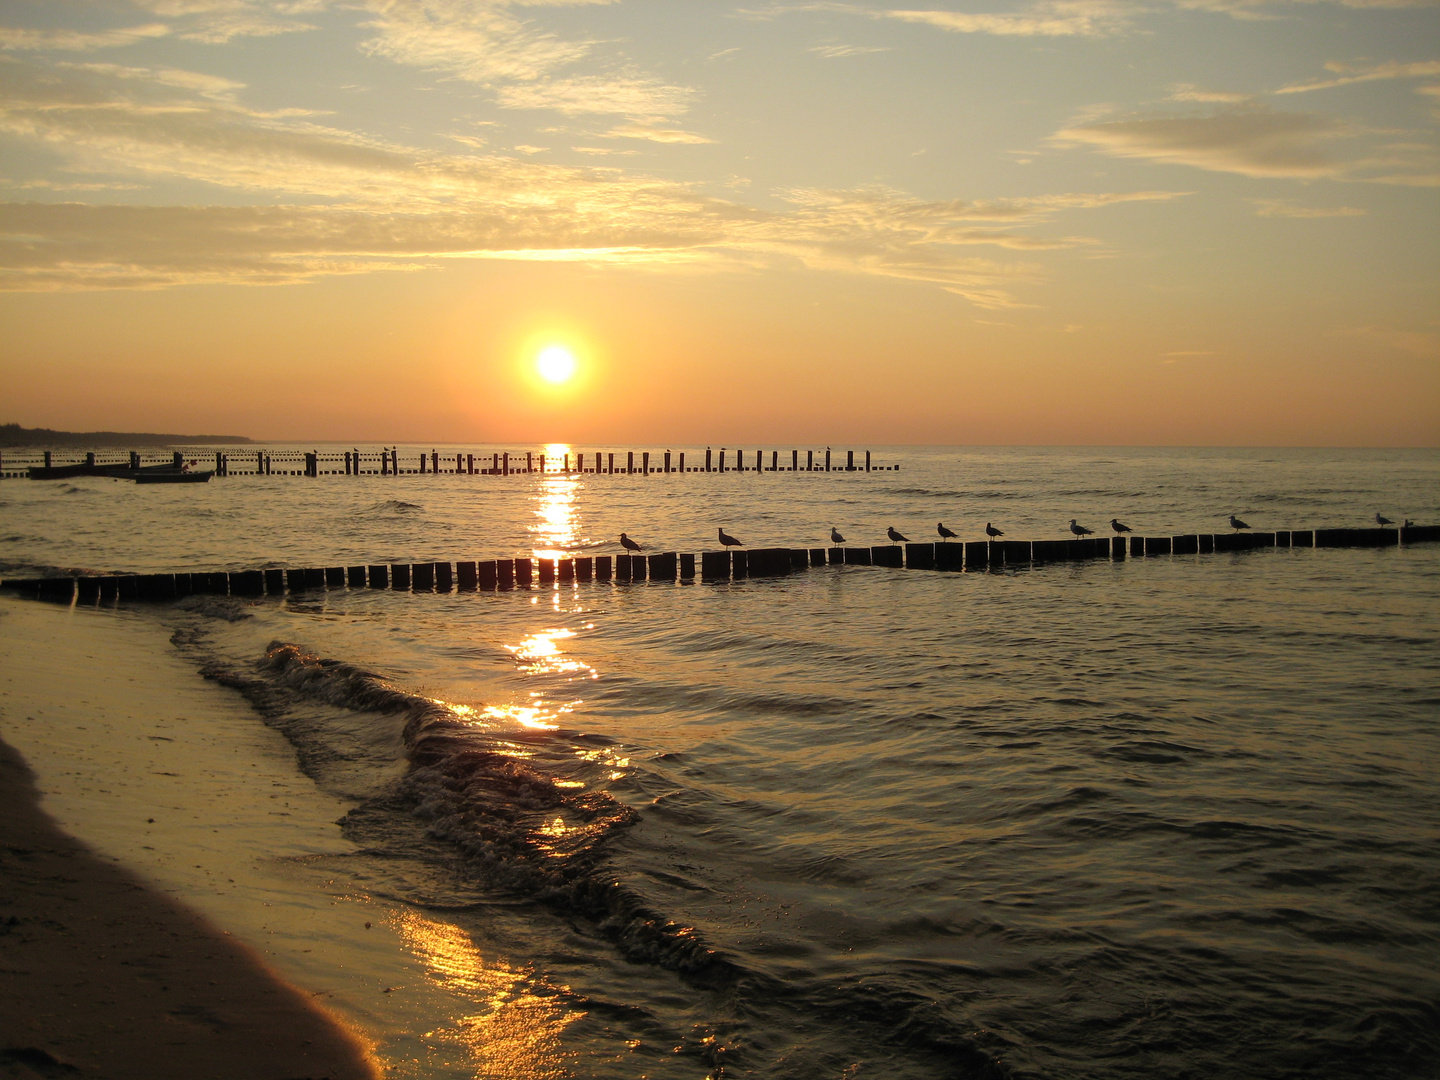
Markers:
(835, 537)
(1079, 530)
(628, 544)
(1118, 527)
(894, 536)
(730, 541)
(1382, 520)
(991, 531)
(945, 534)
(1236, 523)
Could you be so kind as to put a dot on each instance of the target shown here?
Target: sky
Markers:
(1097, 222)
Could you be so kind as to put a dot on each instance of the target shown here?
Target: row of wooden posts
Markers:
(669, 567)
(388, 463)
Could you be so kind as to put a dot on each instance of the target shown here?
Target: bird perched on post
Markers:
(1237, 524)
(945, 534)
(1118, 527)
(835, 537)
(730, 541)
(1382, 520)
(628, 544)
(991, 531)
(894, 536)
(1079, 530)
(1408, 524)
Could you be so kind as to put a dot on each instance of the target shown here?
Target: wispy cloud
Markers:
(339, 202)
(1346, 74)
(1055, 18)
(656, 134)
(626, 95)
(839, 52)
(1286, 209)
(20, 39)
(1252, 140)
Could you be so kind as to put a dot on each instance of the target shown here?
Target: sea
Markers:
(1174, 816)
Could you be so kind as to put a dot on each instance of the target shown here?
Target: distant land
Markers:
(15, 435)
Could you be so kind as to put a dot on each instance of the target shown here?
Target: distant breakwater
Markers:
(685, 568)
(47, 464)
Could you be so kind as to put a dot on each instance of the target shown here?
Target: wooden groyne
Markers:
(669, 567)
(390, 462)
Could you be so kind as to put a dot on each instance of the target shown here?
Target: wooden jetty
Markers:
(389, 462)
(669, 567)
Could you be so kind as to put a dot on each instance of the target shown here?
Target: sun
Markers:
(555, 363)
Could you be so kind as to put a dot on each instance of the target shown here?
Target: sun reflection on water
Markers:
(539, 654)
(556, 527)
(514, 1032)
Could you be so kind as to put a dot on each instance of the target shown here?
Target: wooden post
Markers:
(715, 565)
(604, 570)
(687, 566)
(505, 573)
(887, 555)
(849, 460)
(630, 463)
(580, 463)
(1207, 543)
(335, 577)
(835, 556)
(505, 464)
(547, 571)
(523, 573)
(857, 556)
(1157, 545)
(355, 577)
(645, 464)
(682, 461)
(465, 577)
(435, 462)
(400, 576)
(799, 559)
(584, 568)
(624, 570)
(443, 580)
(921, 556)
(707, 459)
(1184, 545)
(1117, 547)
(494, 464)
(662, 566)
(774, 460)
(219, 463)
(949, 556)
(275, 582)
(667, 461)
(487, 575)
(977, 554)
(809, 460)
(867, 460)
(827, 460)
(611, 469)
(470, 464)
(759, 458)
(247, 583)
(422, 576)
(794, 460)
(567, 463)
(565, 569)
(722, 461)
(422, 464)
(529, 461)
(542, 464)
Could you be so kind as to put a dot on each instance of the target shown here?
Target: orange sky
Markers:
(1069, 223)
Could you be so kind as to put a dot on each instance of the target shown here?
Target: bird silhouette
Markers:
(1079, 530)
(728, 540)
(1382, 520)
(894, 536)
(628, 544)
(1408, 524)
(945, 534)
(991, 531)
(835, 537)
(1237, 524)
(1118, 527)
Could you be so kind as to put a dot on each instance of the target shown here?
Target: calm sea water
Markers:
(1160, 817)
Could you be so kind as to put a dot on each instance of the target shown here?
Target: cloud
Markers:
(656, 134)
(1282, 208)
(1347, 74)
(1252, 9)
(19, 39)
(838, 52)
(626, 95)
(1191, 92)
(1056, 18)
(337, 202)
(1251, 140)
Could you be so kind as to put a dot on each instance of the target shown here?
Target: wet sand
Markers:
(101, 976)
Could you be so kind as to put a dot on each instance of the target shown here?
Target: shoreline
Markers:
(102, 976)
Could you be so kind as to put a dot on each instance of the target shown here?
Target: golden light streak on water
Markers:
(514, 1032)
(556, 527)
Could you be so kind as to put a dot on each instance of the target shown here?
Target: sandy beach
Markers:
(102, 973)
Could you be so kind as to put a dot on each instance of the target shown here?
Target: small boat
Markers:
(172, 476)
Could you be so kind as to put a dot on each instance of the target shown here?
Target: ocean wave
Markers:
(392, 506)
(505, 802)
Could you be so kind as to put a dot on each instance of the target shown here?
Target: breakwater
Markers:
(686, 567)
(48, 465)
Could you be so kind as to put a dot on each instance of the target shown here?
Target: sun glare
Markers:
(555, 363)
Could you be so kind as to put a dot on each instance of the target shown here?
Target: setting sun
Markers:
(555, 363)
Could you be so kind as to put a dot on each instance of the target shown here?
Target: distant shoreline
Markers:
(14, 435)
